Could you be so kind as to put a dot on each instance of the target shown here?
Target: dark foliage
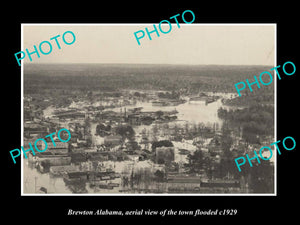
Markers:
(162, 143)
(177, 78)
(126, 131)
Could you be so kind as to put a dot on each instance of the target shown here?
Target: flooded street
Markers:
(33, 181)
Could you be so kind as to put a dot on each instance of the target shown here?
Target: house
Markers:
(60, 170)
(70, 114)
(113, 140)
(28, 115)
(35, 130)
(76, 176)
(132, 146)
(133, 157)
(220, 183)
(215, 147)
(53, 160)
(134, 119)
(56, 148)
(183, 183)
(31, 141)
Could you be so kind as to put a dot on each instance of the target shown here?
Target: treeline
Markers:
(187, 79)
(169, 95)
(253, 121)
(263, 95)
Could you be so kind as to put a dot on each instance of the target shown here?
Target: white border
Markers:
(143, 24)
(275, 112)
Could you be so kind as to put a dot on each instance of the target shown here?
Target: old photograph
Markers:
(160, 118)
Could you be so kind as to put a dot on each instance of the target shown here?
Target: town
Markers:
(139, 141)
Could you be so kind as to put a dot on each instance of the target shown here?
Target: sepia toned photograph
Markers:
(160, 118)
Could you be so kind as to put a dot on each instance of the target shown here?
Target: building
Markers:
(35, 130)
(134, 119)
(60, 170)
(179, 184)
(75, 176)
(53, 160)
(70, 115)
(215, 147)
(220, 183)
(134, 157)
(132, 146)
(113, 140)
(58, 148)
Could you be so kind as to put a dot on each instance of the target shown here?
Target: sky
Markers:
(195, 44)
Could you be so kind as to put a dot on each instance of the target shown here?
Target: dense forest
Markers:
(262, 96)
(255, 120)
(189, 79)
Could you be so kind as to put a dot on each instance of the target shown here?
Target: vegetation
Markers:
(169, 95)
(162, 143)
(126, 131)
(102, 129)
(254, 121)
(62, 84)
(196, 161)
(111, 78)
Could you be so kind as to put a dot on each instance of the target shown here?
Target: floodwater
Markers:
(190, 112)
(35, 182)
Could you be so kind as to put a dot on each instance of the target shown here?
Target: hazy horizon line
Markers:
(161, 64)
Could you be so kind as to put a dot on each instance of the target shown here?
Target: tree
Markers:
(159, 113)
(196, 161)
(126, 131)
(186, 128)
(262, 177)
(101, 129)
(162, 143)
(208, 165)
(154, 130)
(87, 126)
(159, 175)
(226, 139)
(89, 141)
(227, 166)
(137, 94)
